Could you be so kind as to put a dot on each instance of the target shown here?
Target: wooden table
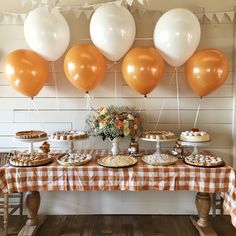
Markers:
(141, 177)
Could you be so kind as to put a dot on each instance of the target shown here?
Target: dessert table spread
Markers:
(140, 177)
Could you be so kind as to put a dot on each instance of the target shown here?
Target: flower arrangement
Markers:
(113, 121)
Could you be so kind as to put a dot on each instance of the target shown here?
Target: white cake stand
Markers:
(195, 145)
(158, 152)
(30, 142)
(69, 142)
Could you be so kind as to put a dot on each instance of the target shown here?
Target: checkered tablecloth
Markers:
(92, 177)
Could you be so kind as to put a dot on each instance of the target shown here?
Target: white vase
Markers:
(115, 146)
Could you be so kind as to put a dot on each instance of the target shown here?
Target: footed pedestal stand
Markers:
(195, 145)
(70, 143)
(31, 142)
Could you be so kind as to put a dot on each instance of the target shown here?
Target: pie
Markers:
(74, 159)
(117, 161)
(194, 136)
(30, 134)
(28, 159)
(69, 135)
(160, 159)
(158, 135)
(204, 160)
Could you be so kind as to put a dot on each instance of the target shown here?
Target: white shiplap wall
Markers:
(216, 115)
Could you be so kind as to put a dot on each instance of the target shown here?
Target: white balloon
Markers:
(112, 30)
(177, 34)
(47, 33)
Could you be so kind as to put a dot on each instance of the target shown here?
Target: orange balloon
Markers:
(206, 71)
(25, 71)
(143, 69)
(84, 66)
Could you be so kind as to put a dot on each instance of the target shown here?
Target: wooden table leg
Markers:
(32, 203)
(203, 204)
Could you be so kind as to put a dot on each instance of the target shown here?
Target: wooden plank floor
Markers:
(121, 225)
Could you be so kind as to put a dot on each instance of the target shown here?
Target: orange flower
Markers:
(118, 124)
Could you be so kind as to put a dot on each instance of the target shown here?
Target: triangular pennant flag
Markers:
(88, 13)
(17, 19)
(129, 2)
(34, 2)
(141, 2)
(44, 1)
(77, 13)
(7, 19)
(199, 16)
(219, 16)
(23, 16)
(24, 2)
(141, 12)
(96, 6)
(231, 14)
(132, 9)
(118, 3)
(209, 16)
(86, 5)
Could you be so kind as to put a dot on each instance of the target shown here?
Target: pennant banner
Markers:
(87, 9)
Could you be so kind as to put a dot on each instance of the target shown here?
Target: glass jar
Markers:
(133, 147)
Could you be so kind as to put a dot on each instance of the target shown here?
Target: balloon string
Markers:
(177, 95)
(29, 110)
(115, 82)
(197, 114)
(55, 82)
(146, 107)
(164, 101)
(160, 113)
(88, 100)
(34, 105)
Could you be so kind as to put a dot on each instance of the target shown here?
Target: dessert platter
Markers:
(159, 136)
(74, 159)
(194, 138)
(30, 134)
(160, 160)
(31, 137)
(117, 161)
(204, 160)
(30, 159)
(69, 137)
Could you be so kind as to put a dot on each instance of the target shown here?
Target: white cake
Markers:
(194, 136)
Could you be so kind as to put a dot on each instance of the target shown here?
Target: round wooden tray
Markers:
(75, 163)
(107, 162)
(205, 166)
(38, 163)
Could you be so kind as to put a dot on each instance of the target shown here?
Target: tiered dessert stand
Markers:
(70, 143)
(30, 142)
(195, 145)
(158, 151)
(159, 158)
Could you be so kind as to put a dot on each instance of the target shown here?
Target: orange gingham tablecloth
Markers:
(92, 177)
